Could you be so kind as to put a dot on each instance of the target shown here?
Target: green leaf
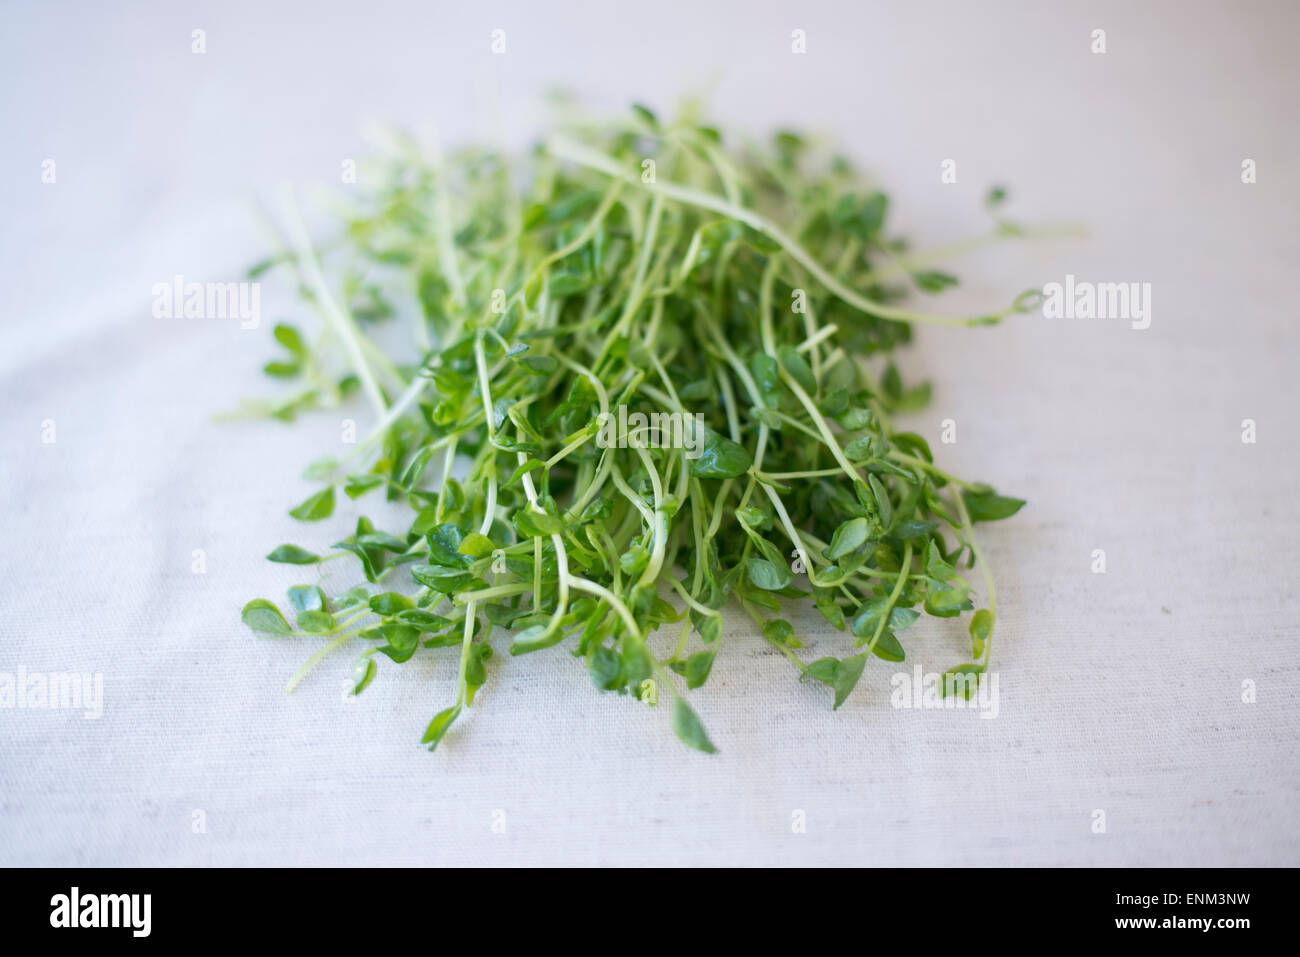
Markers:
(891, 383)
(291, 339)
(535, 638)
(881, 495)
(381, 540)
(647, 116)
(446, 579)
(444, 545)
(306, 598)
(836, 403)
(390, 603)
(947, 684)
(867, 620)
(933, 280)
(282, 370)
(766, 575)
(698, 667)
(935, 566)
(770, 552)
(849, 537)
(832, 612)
(911, 529)
(319, 506)
(823, 670)
(476, 545)
(538, 365)
(533, 524)
(688, 727)
(798, 367)
(859, 449)
(846, 677)
(433, 735)
(402, 641)
(981, 626)
(475, 672)
(721, 458)
(638, 664)
(854, 419)
(316, 622)
(504, 615)
(363, 672)
(358, 485)
(913, 399)
(913, 444)
(605, 667)
(781, 632)
(888, 647)
(767, 377)
(426, 621)
(260, 267)
(697, 391)
(840, 675)
(264, 618)
(416, 468)
(292, 555)
(352, 598)
(862, 218)
(947, 602)
(989, 506)
(372, 560)
(321, 470)
(524, 468)
(902, 618)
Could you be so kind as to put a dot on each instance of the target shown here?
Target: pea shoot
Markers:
(497, 315)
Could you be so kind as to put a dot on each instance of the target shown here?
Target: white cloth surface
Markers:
(1122, 440)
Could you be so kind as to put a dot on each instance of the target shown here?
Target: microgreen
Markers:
(756, 289)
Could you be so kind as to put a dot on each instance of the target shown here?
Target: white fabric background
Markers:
(1123, 440)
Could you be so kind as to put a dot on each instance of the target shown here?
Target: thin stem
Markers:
(341, 323)
(317, 658)
(592, 159)
(969, 528)
(893, 596)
